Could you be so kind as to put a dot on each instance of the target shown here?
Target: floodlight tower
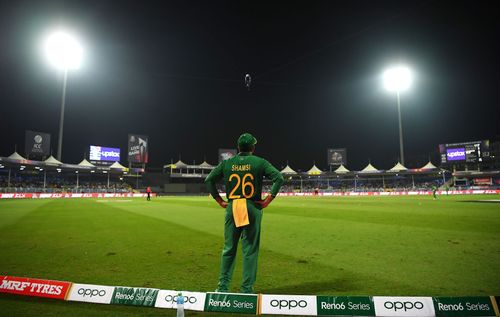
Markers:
(64, 53)
(398, 79)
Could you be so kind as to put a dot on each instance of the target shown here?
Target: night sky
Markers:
(174, 70)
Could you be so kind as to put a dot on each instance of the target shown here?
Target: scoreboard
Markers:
(101, 155)
(467, 152)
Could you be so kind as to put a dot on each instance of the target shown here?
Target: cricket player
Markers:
(242, 175)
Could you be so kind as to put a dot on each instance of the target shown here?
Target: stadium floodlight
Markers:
(64, 53)
(398, 79)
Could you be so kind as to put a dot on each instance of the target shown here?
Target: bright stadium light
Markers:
(63, 52)
(397, 79)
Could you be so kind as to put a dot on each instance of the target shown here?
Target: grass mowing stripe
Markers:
(12, 211)
(345, 245)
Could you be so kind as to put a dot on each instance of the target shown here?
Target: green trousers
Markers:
(250, 240)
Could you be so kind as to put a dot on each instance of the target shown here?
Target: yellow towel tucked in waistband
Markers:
(240, 212)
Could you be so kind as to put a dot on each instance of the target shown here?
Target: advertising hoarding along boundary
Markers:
(72, 195)
(354, 194)
(90, 293)
(34, 287)
(259, 304)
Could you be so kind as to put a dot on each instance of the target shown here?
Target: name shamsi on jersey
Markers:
(241, 168)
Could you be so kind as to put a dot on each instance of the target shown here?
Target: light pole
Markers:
(64, 53)
(398, 79)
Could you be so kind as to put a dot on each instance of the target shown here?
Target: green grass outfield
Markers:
(315, 245)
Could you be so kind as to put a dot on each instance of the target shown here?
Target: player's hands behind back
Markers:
(264, 203)
(221, 202)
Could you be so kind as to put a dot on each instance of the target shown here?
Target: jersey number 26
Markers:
(245, 184)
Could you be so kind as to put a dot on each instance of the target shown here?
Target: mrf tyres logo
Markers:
(231, 303)
(404, 306)
(289, 305)
(34, 287)
(136, 296)
(192, 300)
(91, 293)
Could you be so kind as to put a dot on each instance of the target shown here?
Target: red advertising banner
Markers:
(141, 195)
(34, 287)
(407, 193)
(483, 181)
(73, 195)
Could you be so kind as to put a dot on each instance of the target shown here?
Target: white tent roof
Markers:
(117, 165)
(206, 165)
(428, 166)
(314, 170)
(86, 163)
(341, 169)
(178, 164)
(369, 169)
(52, 161)
(16, 156)
(398, 167)
(288, 170)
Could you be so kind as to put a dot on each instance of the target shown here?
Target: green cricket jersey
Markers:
(243, 175)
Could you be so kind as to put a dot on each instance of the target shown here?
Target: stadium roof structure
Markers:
(16, 156)
(369, 169)
(341, 169)
(117, 165)
(52, 161)
(205, 165)
(314, 171)
(428, 166)
(398, 168)
(15, 160)
(178, 164)
(288, 170)
(181, 165)
(86, 163)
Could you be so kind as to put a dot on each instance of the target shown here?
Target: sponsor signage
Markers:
(483, 181)
(34, 287)
(463, 306)
(101, 153)
(91, 293)
(470, 152)
(403, 306)
(137, 195)
(345, 306)
(289, 305)
(136, 296)
(37, 144)
(225, 154)
(231, 303)
(74, 195)
(192, 300)
(455, 154)
(137, 149)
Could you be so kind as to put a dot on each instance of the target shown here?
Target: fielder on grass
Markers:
(242, 175)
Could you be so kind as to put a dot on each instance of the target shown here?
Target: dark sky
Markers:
(174, 70)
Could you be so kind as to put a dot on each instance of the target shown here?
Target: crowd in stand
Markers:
(60, 184)
(361, 185)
